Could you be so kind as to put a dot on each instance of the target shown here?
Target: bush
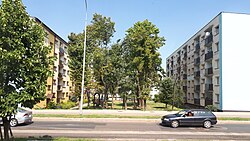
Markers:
(67, 105)
(52, 105)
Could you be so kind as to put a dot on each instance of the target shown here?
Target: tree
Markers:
(24, 61)
(166, 91)
(142, 42)
(171, 92)
(99, 33)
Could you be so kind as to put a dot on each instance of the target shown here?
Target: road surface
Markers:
(130, 129)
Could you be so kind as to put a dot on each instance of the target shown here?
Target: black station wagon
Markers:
(190, 117)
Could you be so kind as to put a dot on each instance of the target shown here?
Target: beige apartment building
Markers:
(59, 86)
(213, 65)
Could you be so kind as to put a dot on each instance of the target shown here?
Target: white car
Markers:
(22, 116)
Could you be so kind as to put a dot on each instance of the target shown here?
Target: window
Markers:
(217, 97)
(67, 83)
(55, 68)
(64, 72)
(217, 80)
(217, 47)
(217, 30)
(217, 64)
(202, 81)
(64, 83)
(49, 87)
(54, 82)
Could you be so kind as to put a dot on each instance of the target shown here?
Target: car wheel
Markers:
(207, 124)
(13, 122)
(175, 124)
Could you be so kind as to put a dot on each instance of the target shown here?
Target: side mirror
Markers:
(183, 115)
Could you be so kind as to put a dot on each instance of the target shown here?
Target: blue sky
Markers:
(177, 20)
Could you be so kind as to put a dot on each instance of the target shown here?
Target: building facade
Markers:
(208, 65)
(59, 86)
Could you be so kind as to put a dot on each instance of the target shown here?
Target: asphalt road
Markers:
(130, 130)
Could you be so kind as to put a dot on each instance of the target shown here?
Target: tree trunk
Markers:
(134, 103)
(142, 104)
(125, 103)
(112, 102)
(6, 125)
(1, 132)
(145, 104)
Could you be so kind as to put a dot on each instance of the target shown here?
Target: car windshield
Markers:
(180, 113)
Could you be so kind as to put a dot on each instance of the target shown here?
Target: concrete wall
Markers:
(235, 61)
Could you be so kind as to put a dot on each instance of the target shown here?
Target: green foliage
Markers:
(67, 105)
(157, 98)
(52, 105)
(141, 46)
(211, 108)
(166, 91)
(24, 58)
(99, 33)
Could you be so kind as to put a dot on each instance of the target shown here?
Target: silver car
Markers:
(22, 116)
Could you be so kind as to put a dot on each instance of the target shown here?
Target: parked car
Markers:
(190, 117)
(23, 116)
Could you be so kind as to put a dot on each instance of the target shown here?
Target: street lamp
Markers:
(84, 52)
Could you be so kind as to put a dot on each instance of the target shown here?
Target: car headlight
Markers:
(166, 119)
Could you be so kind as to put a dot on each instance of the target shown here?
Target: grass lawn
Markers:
(151, 106)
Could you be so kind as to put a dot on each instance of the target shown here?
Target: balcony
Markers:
(208, 98)
(185, 55)
(197, 48)
(209, 71)
(61, 50)
(179, 69)
(197, 74)
(184, 88)
(209, 88)
(179, 59)
(59, 88)
(61, 64)
(208, 56)
(196, 88)
(184, 76)
(197, 61)
(60, 75)
(197, 101)
(209, 41)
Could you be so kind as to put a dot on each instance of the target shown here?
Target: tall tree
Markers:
(142, 43)
(99, 34)
(24, 61)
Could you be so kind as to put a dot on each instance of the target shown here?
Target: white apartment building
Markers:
(213, 64)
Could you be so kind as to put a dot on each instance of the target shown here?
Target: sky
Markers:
(177, 20)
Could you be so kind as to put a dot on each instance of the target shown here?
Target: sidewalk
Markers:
(134, 113)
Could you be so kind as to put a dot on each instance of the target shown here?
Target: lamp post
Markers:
(84, 54)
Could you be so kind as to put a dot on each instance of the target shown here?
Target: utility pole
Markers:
(84, 54)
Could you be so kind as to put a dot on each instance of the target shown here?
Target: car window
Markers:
(20, 110)
(203, 113)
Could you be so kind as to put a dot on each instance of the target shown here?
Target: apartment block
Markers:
(59, 86)
(213, 65)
